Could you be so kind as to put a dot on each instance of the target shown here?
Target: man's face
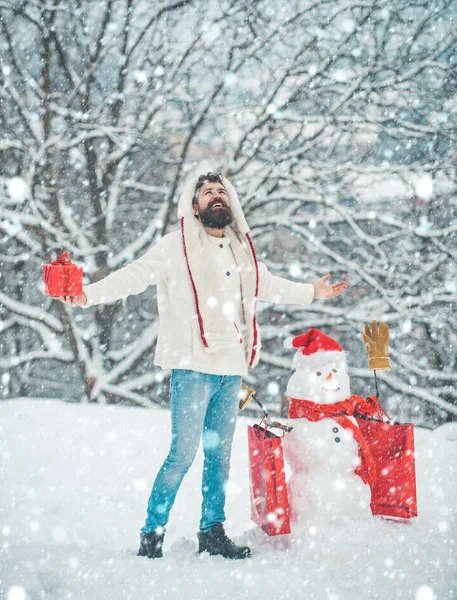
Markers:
(213, 206)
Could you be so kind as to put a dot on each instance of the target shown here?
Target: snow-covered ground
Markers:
(75, 480)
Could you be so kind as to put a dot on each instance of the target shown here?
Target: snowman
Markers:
(329, 462)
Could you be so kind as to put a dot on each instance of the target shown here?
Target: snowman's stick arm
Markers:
(269, 422)
(250, 396)
(376, 384)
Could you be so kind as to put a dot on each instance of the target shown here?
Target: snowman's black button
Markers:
(337, 440)
(335, 430)
(221, 245)
(228, 273)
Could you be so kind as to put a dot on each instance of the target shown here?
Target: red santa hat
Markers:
(315, 349)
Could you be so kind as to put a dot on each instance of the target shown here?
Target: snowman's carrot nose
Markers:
(329, 377)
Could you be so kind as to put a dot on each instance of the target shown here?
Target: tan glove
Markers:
(376, 340)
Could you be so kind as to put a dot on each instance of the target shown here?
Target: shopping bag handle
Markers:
(266, 423)
(264, 432)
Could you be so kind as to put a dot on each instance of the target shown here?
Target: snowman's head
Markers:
(324, 381)
(320, 374)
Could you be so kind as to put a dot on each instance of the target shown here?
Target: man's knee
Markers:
(180, 459)
(212, 441)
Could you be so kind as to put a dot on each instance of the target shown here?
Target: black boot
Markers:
(151, 545)
(215, 541)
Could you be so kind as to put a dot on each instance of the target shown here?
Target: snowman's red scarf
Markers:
(354, 406)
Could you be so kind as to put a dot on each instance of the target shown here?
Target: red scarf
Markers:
(354, 406)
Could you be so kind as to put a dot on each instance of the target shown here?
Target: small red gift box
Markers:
(62, 277)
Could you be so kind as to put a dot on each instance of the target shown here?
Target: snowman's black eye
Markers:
(334, 370)
(318, 373)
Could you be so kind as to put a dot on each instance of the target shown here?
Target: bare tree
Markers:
(336, 121)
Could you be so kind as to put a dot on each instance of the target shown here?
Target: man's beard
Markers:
(216, 218)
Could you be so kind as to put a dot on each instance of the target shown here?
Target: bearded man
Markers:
(208, 284)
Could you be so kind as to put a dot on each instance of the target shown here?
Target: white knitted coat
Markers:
(180, 343)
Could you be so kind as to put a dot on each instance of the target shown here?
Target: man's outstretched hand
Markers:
(74, 300)
(323, 290)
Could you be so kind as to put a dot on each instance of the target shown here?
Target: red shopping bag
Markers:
(269, 499)
(62, 277)
(392, 446)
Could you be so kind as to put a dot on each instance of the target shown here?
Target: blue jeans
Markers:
(206, 406)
